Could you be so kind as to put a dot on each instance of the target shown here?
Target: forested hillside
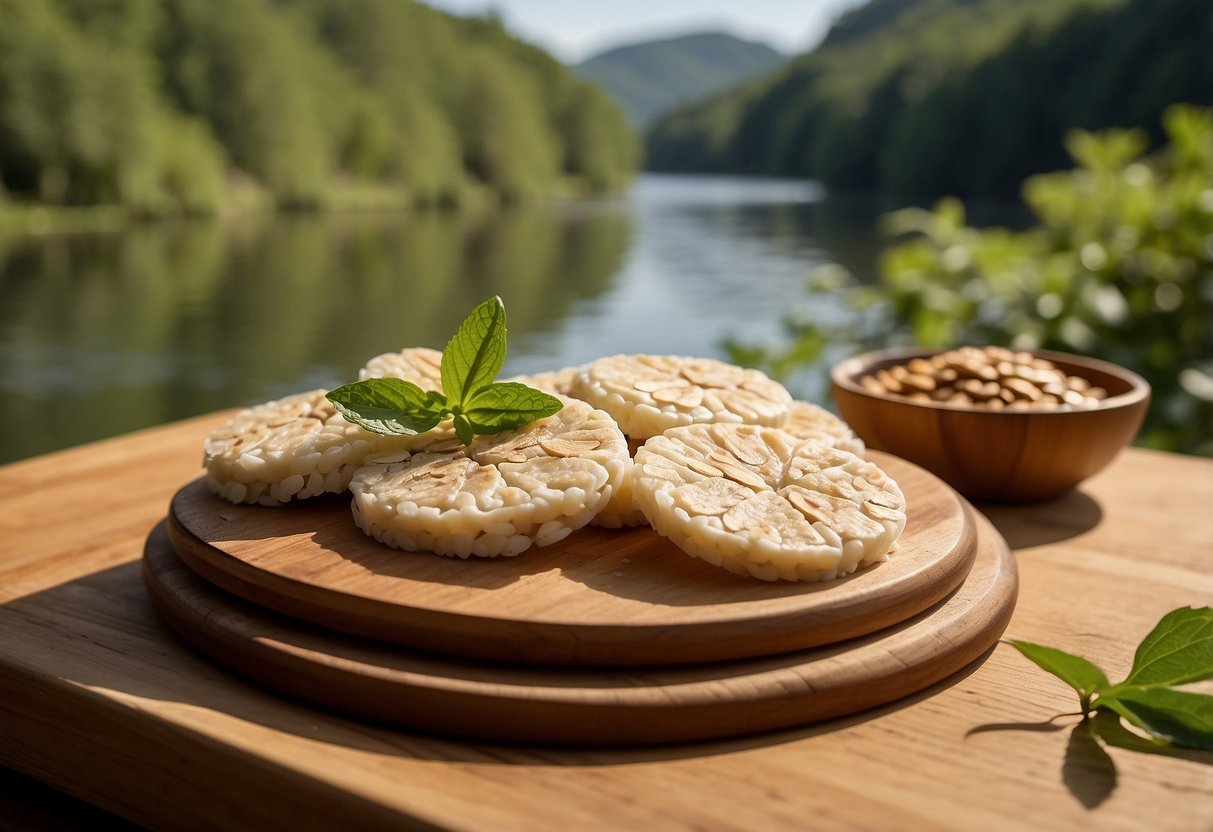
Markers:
(165, 106)
(926, 97)
(652, 77)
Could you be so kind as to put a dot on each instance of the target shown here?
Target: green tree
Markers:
(930, 97)
(1118, 265)
(153, 103)
(235, 64)
(506, 140)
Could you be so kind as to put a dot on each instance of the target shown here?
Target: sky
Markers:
(575, 29)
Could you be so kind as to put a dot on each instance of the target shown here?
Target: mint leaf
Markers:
(1178, 650)
(471, 361)
(506, 405)
(1075, 671)
(389, 406)
(463, 429)
(475, 353)
(1177, 716)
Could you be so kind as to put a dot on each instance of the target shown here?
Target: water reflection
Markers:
(102, 334)
(712, 258)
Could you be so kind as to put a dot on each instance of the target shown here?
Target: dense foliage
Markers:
(1119, 266)
(169, 105)
(653, 77)
(931, 97)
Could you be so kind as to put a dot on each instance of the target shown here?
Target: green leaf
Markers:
(475, 353)
(463, 429)
(1075, 671)
(1178, 650)
(508, 404)
(1177, 716)
(389, 406)
(1106, 725)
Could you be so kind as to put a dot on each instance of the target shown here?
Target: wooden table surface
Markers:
(99, 699)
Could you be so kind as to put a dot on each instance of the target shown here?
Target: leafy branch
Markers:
(1178, 651)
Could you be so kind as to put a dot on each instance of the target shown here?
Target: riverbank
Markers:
(247, 198)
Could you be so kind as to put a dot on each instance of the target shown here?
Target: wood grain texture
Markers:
(600, 596)
(569, 705)
(1011, 456)
(99, 698)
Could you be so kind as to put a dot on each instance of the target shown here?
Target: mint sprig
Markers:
(470, 397)
(1179, 650)
(475, 353)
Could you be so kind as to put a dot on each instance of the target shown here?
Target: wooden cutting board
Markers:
(598, 597)
(600, 705)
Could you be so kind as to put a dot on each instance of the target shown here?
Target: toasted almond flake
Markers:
(565, 446)
(816, 510)
(686, 397)
(703, 468)
(744, 476)
(743, 448)
(705, 376)
(765, 388)
(881, 511)
(842, 516)
(652, 385)
(884, 498)
(713, 496)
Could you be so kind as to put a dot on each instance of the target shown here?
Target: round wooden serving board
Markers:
(600, 596)
(589, 705)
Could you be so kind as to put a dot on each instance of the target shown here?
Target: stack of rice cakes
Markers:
(719, 459)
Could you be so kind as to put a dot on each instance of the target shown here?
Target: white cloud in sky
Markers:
(576, 29)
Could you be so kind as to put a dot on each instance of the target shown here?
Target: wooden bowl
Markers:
(996, 455)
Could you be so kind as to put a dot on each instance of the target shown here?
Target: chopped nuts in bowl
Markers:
(996, 424)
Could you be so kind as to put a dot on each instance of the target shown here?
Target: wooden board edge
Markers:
(545, 643)
(448, 709)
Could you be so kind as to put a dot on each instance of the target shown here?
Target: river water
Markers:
(105, 333)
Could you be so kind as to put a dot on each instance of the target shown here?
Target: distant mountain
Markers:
(922, 98)
(650, 78)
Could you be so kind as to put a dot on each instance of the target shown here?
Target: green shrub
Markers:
(1119, 265)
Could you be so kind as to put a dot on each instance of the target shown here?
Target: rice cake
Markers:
(649, 394)
(498, 496)
(557, 382)
(809, 421)
(420, 365)
(761, 502)
(287, 449)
